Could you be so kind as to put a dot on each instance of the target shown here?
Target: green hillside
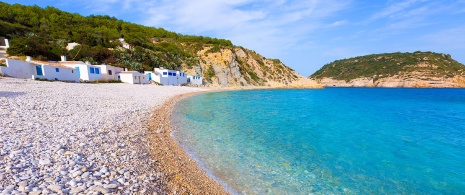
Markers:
(44, 32)
(427, 64)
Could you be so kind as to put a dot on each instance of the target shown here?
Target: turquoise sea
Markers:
(328, 141)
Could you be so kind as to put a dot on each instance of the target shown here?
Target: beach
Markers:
(73, 138)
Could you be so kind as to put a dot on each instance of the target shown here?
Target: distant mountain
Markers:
(44, 33)
(418, 69)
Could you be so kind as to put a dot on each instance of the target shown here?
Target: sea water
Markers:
(328, 141)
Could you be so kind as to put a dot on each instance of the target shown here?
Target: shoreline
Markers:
(182, 174)
(62, 138)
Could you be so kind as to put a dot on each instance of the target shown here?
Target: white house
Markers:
(71, 46)
(150, 75)
(195, 80)
(182, 77)
(38, 69)
(169, 77)
(125, 45)
(85, 71)
(133, 77)
(56, 71)
(109, 73)
(18, 69)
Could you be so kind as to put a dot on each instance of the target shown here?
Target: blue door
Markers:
(39, 70)
(77, 69)
(150, 76)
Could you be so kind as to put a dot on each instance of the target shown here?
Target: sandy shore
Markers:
(183, 175)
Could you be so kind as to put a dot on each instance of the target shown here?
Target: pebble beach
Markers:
(72, 138)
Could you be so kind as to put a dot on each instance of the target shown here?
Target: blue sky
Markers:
(304, 34)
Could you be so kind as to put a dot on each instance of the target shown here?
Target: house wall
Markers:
(133, 78)
(18, 69)
(105, 72)
(195, 80)
(150, 75)
(84, 72)
(127, 78)
(182, 77)
(63, 74)
(172, 79)
(160, 77)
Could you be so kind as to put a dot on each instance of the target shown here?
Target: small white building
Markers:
(38, 69)
(182, 77)
(195, 80)
(124, 44)
(55, 72)
(109, 73)
(71, 46)
(85, 71)
(150, 75)
(133, 77)
(18, 69)
(169, 77)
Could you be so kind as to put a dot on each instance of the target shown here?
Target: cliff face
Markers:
(396, 82)
(237, 66)
(415, 70)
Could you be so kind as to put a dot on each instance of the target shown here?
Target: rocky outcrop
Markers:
(397, 82)
(237, 66)
(418, 69)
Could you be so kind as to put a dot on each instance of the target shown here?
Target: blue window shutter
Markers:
(39, 70)
(92, 71)
(57, 70)
(97, 71)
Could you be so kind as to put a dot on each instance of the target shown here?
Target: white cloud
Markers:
(339, 23)
(266, 26)
(394, 9)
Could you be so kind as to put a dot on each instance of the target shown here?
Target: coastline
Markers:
(95, 138)
(182, 174)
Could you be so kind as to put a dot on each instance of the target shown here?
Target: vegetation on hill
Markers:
(44, 33)
(377, 66)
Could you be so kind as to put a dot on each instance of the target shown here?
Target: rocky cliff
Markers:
(237, 66)
(416, 70)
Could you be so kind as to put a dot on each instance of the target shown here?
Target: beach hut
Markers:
(194, 80)
(181, 77)
(133, 77)
(18, 69)
(109, 73)
(55, 71)
(86, 71)
(38, 69)
(150, 75)
(169, 77)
